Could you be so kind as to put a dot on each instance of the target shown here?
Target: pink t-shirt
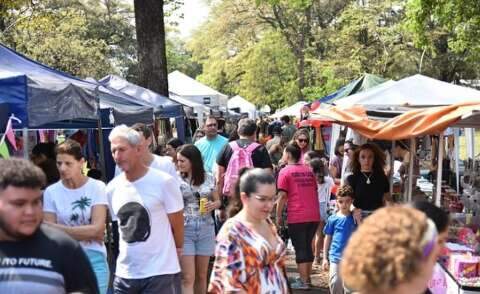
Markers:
(302, 203)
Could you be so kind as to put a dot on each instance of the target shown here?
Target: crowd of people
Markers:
(238, 200)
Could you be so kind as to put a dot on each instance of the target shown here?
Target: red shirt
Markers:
(299, 182)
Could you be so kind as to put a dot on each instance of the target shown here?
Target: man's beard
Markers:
(9, 232)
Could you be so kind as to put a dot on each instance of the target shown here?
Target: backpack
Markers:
(241, 157)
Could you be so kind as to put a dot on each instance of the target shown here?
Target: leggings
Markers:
(99, 264)
(302, 235)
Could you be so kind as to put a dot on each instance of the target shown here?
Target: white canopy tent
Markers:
(243, 105)
(190, 89)
(414, 91)
(199, 109)
(293, 110)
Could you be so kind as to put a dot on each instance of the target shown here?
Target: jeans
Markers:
(165, 284)
(99, 264)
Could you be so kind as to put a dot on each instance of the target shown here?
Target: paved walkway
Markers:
(319, 277)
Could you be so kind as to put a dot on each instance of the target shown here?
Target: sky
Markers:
(195, 13)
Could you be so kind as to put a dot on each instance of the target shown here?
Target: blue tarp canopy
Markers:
(163, 106)
(43, 97)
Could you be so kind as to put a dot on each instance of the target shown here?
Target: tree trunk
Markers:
(152, 60)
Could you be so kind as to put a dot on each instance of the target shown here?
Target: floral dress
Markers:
(244, 260)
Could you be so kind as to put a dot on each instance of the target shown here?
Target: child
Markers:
(338, 230)
(324, 189)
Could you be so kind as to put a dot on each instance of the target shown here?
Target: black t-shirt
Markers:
(48, 262)
(260, 157)
(368, 196)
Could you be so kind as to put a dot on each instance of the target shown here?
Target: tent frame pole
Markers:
(456, 142)
(441, 139)
(410, 169)
(25, 143)
(392, 168)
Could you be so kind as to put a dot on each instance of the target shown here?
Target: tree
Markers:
(152, 59)
(300, 22)
(448, 32)
(58, 38)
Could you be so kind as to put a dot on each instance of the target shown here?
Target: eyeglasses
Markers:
(264, 199)
(302, 140)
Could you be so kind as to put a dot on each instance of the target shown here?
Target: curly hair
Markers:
(345, 191)
(378, 158)
(385, 251)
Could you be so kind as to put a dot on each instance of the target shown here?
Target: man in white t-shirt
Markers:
(163, 163)
(149, 207)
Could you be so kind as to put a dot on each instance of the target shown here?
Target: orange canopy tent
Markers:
(412, 123)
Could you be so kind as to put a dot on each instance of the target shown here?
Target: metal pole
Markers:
(102, 150)
(25, 142)
(456, 142)
(392, 167)
(438, 200)
(410, 169)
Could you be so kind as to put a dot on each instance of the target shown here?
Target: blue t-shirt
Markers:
(340, 228)
(210, 150)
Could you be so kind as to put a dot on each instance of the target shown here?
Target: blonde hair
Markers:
(385, 251)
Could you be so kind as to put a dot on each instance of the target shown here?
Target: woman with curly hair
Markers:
(368, 180)
(393, 251)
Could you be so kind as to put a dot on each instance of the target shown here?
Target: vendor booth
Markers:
(192, 90)
(45, 98)
(404, 117)
(241, 105)
(164, 107)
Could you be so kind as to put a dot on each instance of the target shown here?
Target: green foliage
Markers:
(449, 32)
(179, 58)
(59, 38)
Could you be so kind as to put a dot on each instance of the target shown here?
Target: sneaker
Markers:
(299, 285)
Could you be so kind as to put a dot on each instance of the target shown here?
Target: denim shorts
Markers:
(199, 238)
(323, 211)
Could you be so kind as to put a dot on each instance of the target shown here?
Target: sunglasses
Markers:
(302, 140)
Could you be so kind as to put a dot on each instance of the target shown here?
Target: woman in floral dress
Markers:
(249, 254)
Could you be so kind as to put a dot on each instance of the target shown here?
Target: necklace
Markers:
(368, 178)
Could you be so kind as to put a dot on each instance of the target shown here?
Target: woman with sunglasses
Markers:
(368, 180)
(394, 251)
(302, 139)
(249, 255)
(200, 199)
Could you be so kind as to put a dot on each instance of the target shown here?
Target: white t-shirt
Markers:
(73, 207)
(147, 247)
(324, 190)
(163, 163)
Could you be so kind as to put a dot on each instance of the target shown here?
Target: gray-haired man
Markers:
(149, 207)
